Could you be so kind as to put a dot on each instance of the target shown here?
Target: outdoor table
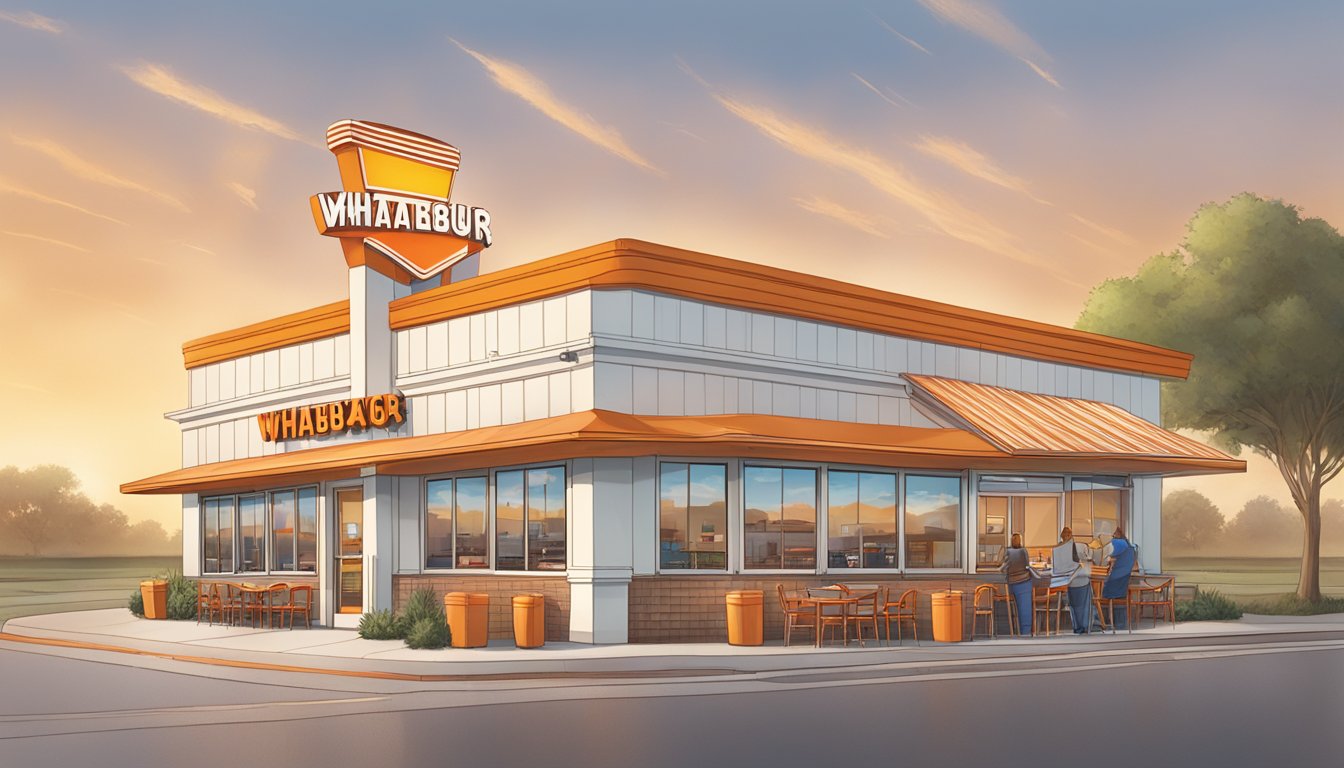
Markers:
(844, 599)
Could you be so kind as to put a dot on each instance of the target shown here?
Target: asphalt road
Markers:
(1251, 704)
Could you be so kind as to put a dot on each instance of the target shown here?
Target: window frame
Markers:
(963, 506)
(567, 468)
(268, 521)
(741, 521)
(728, 518)
(900, 517)
(486, 475)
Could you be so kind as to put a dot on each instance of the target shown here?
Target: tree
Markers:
(1189, 521)
(1264, 527)
(35, 502)
(1256, 293)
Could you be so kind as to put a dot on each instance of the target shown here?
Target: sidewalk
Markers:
(343, 652)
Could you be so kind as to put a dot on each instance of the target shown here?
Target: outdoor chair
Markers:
(230, 603)
(1006, 598)
(273, 602)
(1046, 601)
(864, 611)
(982, 604)
(902, 610)
(208, 602)
(1158, 594)
(300, 604)
(828, 615)
(797, 613)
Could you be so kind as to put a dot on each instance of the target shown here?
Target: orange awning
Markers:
(600, 433)
(1025, 424)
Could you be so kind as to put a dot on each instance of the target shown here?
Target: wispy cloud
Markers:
(33, 21)
(125, 310)
(201, 249)
(893, 31)
(246, 194)
(985, 22)
(91, 172)
(163, 82)
(945, 214)
(1114, 234)
(528, 87)
(891, 99)
(840, 213)
(683, 131)
(967, 159)
(1088, 243)
(48, 240)
(13, 189)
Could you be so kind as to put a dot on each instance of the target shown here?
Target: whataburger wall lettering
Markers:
(334, 417)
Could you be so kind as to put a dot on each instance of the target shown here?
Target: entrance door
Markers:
(1037, 518)
(349, 550)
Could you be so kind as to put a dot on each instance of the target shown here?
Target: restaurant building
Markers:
(633, 429)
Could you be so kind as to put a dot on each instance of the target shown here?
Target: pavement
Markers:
(343, 653)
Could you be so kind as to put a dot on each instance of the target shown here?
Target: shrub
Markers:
(1208, 605)
(181, 596)
(1292, 605)
(428, 632)
(381, 625)
(422, 604)
(137, 603)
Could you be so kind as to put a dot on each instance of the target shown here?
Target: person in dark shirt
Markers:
(1017, 565)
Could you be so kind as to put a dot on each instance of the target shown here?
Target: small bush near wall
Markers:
(1208, 605)
(181, 596)
(137, 603)
(428, 632)
(381, 625)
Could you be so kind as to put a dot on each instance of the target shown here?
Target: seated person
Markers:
(1120, 555)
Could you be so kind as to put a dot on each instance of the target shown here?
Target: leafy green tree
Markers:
(1264, 527)
(35, 503)
(1256, 294)
(1190, 521)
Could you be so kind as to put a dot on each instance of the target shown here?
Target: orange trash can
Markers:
(947, 619)
(468, 618)
(529, 620)
(155, 594)
(745, 619)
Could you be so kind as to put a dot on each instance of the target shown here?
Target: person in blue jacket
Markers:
(1120, 554)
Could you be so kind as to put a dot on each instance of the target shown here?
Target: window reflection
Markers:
(932, 521)
(693, 516)
(862, 520)
(780, 518)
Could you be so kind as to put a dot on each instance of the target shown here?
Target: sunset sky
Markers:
(156, 162)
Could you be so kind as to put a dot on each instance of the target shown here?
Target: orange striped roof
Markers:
(1026, 424)
(599, 433)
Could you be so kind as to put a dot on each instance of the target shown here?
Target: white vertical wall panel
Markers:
(459, 340)
(476, 329)
(644, 529)
(403, 351)
(762, 329)
(762, 397)
(289, 366)
(228, 384)
(342, 355)
(739, 330)
(305, 363)
(806, 340)
(897, 360)
(189, 448)
(438, 417)
(254, 441)
(716, 327)
(730, 395)
(324, 359)
(866, 409)
(807, 402)
(408, 524)
(889, 410)
(211, 444)
(713, 394)
(581, 383)
(1088, 385)
(784, 400)
(510, 402)
(641, 315)
(212, 383)
(847, 406)
(671, 393)
(579, 315)
(786, 332)
(692, 316)
(553, 312)
(612, 313)
(828, 407)
(694, 394)
(536, 398)
(491, 333)
(666, 318)
(846, 347)
(416, 348)
(557, 394)
(436, 342)
(454, 411)
(419, 414)
(646, 390)
(473, 408)
(745, 401)
(613, 387)
(242, 428)
(826, 352)
(490, 410)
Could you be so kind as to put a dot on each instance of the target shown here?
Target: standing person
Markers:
(1017, 565)
(1120, 555)
(1080, 585)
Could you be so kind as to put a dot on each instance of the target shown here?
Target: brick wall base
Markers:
(501, 590)
(688, 609)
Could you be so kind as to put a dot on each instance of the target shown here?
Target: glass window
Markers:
(546, 519)
(932, 521)
(780, 518)
(509, 540)
(862, 520)
(252, 533)
(1097, 505)
(693, 516)
(307, 533)
(455, 534)
(217, 516)
(283, 504)
(991, 531)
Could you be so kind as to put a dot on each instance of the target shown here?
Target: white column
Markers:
(600, 551)
(191, 534)
(380, 497)
(372, 347)
(1146, 522)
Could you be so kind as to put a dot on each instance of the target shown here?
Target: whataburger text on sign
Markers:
(349, 211)
(334, 417)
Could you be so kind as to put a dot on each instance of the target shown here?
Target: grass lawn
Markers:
(30, 585)
(1259, 584)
